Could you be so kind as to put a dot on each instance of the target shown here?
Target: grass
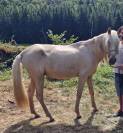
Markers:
(5, 74)
(104, 78)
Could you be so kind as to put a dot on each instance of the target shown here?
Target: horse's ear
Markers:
(109, 30)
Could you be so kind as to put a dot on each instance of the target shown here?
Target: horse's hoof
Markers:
(78, 117)
(51, 120)
(35, 117)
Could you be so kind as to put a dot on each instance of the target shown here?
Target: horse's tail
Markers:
(19, 93)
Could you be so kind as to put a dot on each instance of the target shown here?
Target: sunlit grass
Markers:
(5, 74)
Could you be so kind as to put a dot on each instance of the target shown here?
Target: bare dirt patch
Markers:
(61, 103)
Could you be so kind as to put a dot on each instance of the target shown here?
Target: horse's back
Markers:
(48, 49)
(41, 54)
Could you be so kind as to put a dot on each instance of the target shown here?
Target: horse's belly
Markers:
(61, 74)
(62, 67)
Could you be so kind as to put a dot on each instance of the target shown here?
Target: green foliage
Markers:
(5, 74)
(29, 20)
(105, 71)
(104, 78)
(60, 39)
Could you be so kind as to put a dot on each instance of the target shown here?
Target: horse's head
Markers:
(112, 43)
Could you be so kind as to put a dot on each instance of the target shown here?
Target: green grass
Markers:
(104, 78)
(5, 74)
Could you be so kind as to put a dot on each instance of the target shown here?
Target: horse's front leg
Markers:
(91, 91)
(31, 91)
(78, 96)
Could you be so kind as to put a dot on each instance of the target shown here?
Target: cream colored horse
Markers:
(62, 62)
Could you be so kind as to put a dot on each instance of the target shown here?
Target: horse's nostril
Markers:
(112, 61)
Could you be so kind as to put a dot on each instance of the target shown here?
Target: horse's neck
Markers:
(96, 45)
(99, 47)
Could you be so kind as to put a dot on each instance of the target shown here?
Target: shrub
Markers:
(60, 39)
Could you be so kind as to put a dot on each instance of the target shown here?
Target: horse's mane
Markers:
(114, 34)
(90, 41)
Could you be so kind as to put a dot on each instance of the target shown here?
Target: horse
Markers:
(60, 62)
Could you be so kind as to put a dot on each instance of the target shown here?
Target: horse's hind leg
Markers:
(78, 96)
(39, 94)
(31, 91)
(91, 91)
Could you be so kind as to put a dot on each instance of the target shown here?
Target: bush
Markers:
(60, 39)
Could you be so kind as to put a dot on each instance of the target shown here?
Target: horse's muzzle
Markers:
(112, 60)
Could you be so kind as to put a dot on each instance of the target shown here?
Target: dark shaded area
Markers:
(87, 127)
(29, 20)
(6, 58)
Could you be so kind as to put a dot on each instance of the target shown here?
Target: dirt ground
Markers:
(61, 103)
